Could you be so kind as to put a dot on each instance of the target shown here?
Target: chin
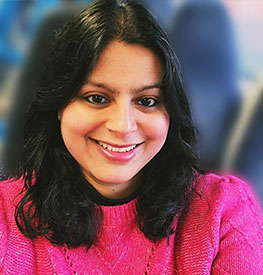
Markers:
(115, 179)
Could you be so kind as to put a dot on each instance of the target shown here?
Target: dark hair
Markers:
(56, 201)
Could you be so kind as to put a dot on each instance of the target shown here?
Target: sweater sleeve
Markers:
(3, 233)
(3, 225)
(16, 251)
(240, 249)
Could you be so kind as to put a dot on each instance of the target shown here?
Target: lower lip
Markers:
(118, 156)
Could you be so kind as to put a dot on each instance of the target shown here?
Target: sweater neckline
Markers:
(101, 200)
(119, 214)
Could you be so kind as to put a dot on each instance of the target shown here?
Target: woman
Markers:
(109, 173)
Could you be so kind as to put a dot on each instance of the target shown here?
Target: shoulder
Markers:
(10, 187)
(9, 191)
(10, 194)
(223, 221)
(224, 193)
(219, 184)
(12, 241)
(224, 198)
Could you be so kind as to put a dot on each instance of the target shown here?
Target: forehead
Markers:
(125, 62)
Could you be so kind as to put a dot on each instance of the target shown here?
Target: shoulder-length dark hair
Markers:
(56, 201)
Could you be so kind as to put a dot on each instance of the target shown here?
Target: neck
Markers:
(116, 190)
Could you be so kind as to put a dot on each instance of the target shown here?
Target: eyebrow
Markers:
(137, 90)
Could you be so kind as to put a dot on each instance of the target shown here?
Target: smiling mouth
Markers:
(117, 149)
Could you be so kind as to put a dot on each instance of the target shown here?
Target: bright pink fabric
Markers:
(221, 233)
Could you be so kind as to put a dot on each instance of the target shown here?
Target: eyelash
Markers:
(147, 99)
(89, 97)
(141, 101)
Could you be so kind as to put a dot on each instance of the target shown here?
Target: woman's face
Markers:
(117, 123)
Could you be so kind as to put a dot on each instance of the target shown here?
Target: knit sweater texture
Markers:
(220, 233)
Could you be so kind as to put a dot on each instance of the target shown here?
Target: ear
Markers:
(59, 115)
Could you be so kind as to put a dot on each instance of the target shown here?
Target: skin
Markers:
(120, 104)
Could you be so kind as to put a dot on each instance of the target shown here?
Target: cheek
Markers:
(158, 128)
(75, 122)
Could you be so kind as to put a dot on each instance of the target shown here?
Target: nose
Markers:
(122, 119)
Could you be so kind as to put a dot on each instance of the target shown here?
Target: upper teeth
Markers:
(116, 149)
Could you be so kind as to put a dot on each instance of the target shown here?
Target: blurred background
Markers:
(219, 45)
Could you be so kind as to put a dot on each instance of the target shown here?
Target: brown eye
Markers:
(96, 99)
(148, 102)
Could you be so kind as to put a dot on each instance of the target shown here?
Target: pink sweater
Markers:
(222, 233)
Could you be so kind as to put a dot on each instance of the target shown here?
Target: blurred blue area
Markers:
(19, 20)
(9, 11)
(2, 129)
(164, 10)
(205, 40)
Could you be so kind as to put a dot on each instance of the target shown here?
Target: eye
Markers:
(96, 99)
(148, 102)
